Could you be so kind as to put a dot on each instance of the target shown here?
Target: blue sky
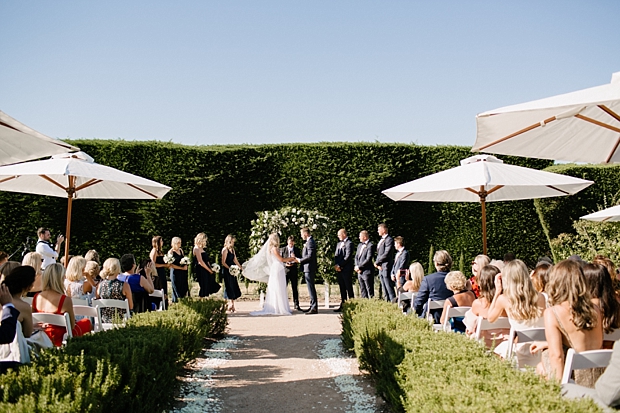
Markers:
(204, 72)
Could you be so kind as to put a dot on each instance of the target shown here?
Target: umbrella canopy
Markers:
(582, 126)
(76, 175)
(606, 215)
(484, 178)
(19, 143)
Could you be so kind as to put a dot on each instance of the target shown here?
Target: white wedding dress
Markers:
(276, 300)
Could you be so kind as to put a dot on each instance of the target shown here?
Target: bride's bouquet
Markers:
(185, 261)
(215, 267)
(235, 271)
(169, 258)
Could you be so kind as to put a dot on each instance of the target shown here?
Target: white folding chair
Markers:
(159, 294)
(433, 305)
(452, 312)
(91, 312)
(109, 303)
(584, 360)
(483, 324)
(61, 320)
(80, 301)
(28, 300)
(613, 336)
(528, 335)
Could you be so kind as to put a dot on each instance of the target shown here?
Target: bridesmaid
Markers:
(157, 256)
(229, 257)
(204, 272)
(178, 272)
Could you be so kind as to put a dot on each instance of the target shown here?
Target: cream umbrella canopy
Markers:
(582, 126)
(606, 215)
(77, 176)
(19, 143)
(484, 178)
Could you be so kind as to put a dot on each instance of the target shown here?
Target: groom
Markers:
(308, 265)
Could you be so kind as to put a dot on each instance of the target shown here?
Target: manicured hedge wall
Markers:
(218, 189)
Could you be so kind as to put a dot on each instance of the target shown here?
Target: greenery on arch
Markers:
(288, 221)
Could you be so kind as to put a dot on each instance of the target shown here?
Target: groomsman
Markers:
(308, 263)
(344, 267)
(291, 268)
(364, 266)
(385, 262)
(401, 262)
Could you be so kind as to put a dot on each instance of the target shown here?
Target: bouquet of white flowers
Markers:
(169, 258)
(215, 267)
(185, 261)
(235, 270)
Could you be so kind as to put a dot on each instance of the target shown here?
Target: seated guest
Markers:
(8, 325)
(433, 286)
(111, 288)
(516, 296)
(7, 267)
(456, 282)
(572, 321)
(401, 262)
(52, 299)
(599, 283)
(34, 259)
(413, 279)
(19, 281)
(140, 286)
(476, 265)
(92, 255)
(480, 307)
(540, 277)
(91, 271)
(611, 268)
(78, 283)
(4, 257)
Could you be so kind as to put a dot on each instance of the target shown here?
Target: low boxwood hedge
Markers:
(129, 369)
(416, 369)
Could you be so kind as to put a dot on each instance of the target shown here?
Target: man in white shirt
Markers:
(46, 248)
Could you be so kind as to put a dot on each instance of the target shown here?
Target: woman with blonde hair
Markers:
(414, 278)
(78, 282)
(157, 256)
(112, 288)
(178, 271)
(34, 259)
(204, 272)
(52, 299)
(476, 266)
(229, 258)
(462, 297)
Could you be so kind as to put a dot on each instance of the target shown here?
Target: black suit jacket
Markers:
(8, 324)
(385, 254)
(363, 258)
(344, 256)
(291, 270)
(400, 263)
(308, 256)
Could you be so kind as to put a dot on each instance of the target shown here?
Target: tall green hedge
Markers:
(218, 189)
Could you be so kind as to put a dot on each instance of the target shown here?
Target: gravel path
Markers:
(279, 364)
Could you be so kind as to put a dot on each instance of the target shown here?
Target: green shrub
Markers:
(418, 370)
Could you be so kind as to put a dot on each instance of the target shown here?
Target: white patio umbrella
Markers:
(582, 126)
(76, 175)
(605, 215)
(19, 143)
(484, 178)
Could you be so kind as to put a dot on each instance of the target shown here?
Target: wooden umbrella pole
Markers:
(70, 193)
(483, 196)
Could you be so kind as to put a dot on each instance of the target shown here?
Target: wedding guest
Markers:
(34, 259)
(7, 267)
(112, 288)
(140, 286)
(540, 277)
(19, 281)
(48, 251)
(77, 283)
(364, 266)
(204, 272)
(178, 271)
(343, 259)
(571, 321)
(434, 286)
(8, 327)
(461, 297)
(385, 262)
(413, 280)
(53, 300)
(476, 265)
(92, 255)
(92, 269)
(291, 269)
(157, 256)
(509, 256)
(611, 268)
(4, 257)
(598, 282)
(229, 257)
(401, 262)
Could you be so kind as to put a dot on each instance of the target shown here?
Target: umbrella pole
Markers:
(70, 192)
(484, 220)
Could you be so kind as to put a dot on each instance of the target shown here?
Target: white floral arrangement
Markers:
(234, 270)
(215, 267)
(169, 258)
(185, 261)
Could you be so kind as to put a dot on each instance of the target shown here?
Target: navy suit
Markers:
(401, 262)
(292, 271)
(8, 324)
(363, 261)
(344, 259)
(434, 287)
(308, 265)
(385, 259)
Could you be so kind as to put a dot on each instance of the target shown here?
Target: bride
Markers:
(268, 266)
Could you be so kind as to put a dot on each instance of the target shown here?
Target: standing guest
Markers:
(48, 251)
(140, 286)
(364, 267)
(34, 260)
(401, 262)
(19, 282)
(229, 257)
(92, 255)
(53, 300)
(599, 283)
(157, 256)
(385, 261)
(434, 286)
(4, 257)
(308, 263)
(291, 268)
(476, 265)
(178, 271)
(344, 267)
(204, 272)
(111, 288)
(78, 283)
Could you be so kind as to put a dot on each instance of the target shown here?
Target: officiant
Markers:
(292, 268)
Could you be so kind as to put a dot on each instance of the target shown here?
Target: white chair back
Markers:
(433, 305)
(88, 311)
(524, 336)
(103, 303)
(61, 320)
(484, 324)
(584, 360)
(613, 336)
(28, 300)
(453, 312)
(159, 294)
(80, 301)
